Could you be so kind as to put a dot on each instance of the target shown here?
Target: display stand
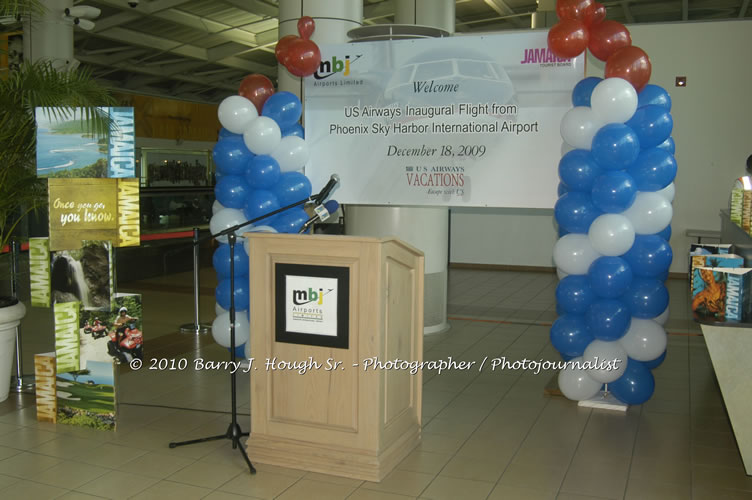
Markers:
(341, 415)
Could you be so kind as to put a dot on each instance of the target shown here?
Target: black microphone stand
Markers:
(234, 432)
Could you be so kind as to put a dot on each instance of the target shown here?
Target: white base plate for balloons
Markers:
(604, 401)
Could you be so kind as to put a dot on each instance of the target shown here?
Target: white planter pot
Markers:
(10, 317)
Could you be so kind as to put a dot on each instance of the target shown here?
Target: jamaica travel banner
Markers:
(458, 121)
(67, 147)
(93, 209)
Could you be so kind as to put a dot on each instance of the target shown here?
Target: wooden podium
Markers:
(331, 386)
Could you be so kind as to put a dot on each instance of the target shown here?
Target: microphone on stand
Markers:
(326, 190)
(322, 213)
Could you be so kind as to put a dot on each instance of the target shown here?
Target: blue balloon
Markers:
(574, 294)
(654, 169)
(653, 94)
(650, 256)
(284, 108)
(668, 145)
(570, 335)
(646, 297)
(231, 155)
(565, 357)
(262, 172)
(608, 319)
(290, 221)
(652, 124)
(296, 130)
(583, 90)
(223, 132)
(292, 187)
(242, 300)
(609, 277)
(563, 232)
(615, 146)
(221, 261)
(562, 189)
(260, 202)
(575, 212)
(231, 191)
(635, 386)
(560, 310)
(665, 233)
(578, 170)
(655, 363)
(239, 351)
(614, 191)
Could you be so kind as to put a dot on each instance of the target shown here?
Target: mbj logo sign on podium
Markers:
(312, 305)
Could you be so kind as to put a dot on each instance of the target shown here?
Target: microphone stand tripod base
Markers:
(194, 328)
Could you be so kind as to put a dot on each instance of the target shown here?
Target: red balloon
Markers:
(306, 25)
(608, 37)
(630, 63)
(568, 38)
(594, 14)
(303, 57)
(572, 9)
(281, 49)
(257, 89)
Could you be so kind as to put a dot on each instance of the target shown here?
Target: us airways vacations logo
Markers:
(544, 57)
(335, 65)
(310, 296)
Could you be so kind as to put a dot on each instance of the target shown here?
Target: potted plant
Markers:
(33, 84)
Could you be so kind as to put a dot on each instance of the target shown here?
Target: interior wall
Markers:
(711, 130)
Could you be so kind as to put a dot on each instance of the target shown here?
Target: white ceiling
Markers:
(201, 49)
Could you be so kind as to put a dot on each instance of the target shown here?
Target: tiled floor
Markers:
(490, 435)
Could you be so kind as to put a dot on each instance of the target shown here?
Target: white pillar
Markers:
(425, 228)
(49, 36)
(545, 15)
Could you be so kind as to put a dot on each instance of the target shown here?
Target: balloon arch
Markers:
(614, 213)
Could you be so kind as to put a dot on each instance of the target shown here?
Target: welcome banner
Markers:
(459, 121)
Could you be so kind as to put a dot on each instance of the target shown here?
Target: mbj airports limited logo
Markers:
(334, 66)
(310, 296)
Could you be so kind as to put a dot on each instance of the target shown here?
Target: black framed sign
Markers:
(312, 305)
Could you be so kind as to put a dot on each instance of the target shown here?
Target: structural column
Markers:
(426, 228)
(50, 36)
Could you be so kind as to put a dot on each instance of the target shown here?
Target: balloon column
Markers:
(259, 157)
(614, 213)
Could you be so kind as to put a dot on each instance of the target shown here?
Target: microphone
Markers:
(322, 213)
(326, 190)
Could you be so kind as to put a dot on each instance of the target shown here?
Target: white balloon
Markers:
(608, 360)
(262, 136)
(236, 113)
(573, 253)
(219, 309)
(578, 127)
(669, 192)
(221, 329)
(614, 100)
(650, 213)
(575, 383)
(217, 206)
(663, 317)
(224, 219)
(561, 274)
(611, 234)
(645, 340)
(291, 154)
(247, 350)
